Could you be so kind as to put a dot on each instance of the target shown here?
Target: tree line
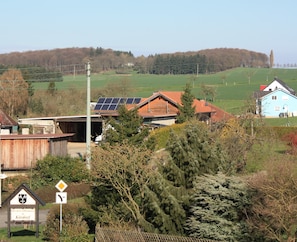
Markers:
(205, 61)
(72, 60)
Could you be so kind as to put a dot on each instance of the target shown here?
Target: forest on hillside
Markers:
(68, 59)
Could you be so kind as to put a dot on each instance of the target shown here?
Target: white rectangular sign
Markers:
(61, 197)
(22, 214)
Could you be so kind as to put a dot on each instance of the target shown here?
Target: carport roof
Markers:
(75, 118)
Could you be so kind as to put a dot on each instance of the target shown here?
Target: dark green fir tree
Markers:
(128, 127)
(186, 110)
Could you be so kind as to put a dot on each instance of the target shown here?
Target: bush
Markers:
(51, 169)
(291, 140)
(273, 213)
(74, 228)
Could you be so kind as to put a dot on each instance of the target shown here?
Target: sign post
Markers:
(61, 198)
(2, 176)
(23, 207)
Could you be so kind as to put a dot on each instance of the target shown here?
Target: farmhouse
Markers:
(276, 100)
(161, 108)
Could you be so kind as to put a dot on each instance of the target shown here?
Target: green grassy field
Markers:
(19, 234)
(233, 87)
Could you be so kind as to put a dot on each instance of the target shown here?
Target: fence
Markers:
(109, 235)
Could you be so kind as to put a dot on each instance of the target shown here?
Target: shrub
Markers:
(74, 228)
(274, 213)
(51, 169)
(291, 140)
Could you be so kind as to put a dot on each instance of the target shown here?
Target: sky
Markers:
(149, 27)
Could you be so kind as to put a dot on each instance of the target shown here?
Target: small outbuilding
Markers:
(20, 152)
(7, 124)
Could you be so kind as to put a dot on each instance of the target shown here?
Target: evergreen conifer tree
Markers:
(217, 210)
(194, 153)
(186, 110)
(163, 206)
(128, 127)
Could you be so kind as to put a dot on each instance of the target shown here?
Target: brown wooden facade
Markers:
(20, 152)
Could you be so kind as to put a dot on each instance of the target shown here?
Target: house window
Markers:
(274, 97)
(285, 97)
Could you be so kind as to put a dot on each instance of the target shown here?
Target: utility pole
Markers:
(88, 124)
(197, 69)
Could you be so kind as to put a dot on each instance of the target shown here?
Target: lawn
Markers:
(235, 84)
(233, 87)
(19, 234)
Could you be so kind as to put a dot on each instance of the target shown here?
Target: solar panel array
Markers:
(113, 103)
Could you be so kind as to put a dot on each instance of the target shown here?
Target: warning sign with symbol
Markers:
(61, 186)
(61, 197)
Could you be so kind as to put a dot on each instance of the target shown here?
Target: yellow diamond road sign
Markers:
(61, 186)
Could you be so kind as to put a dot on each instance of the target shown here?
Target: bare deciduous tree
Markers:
(127, 170)
(208, 91)
(13, 92)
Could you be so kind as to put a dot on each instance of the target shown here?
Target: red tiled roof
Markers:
(200, 105)
(175, 98)
(219, 114)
